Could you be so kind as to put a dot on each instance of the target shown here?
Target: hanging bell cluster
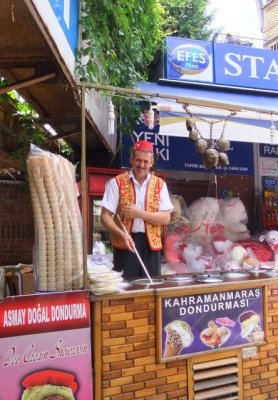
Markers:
(213, 152)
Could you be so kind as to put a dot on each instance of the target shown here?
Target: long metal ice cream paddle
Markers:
(135, 250)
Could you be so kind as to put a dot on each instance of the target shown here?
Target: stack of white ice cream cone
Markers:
(57, 218)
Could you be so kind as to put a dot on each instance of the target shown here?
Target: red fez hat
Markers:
(50, 377)
(143, 145)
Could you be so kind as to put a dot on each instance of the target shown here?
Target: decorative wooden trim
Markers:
(190, 375)
(205, 288)
(96, 333)
(158, 328)
(240, 377)
(265, 288)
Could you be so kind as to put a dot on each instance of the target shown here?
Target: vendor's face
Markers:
(141, 162)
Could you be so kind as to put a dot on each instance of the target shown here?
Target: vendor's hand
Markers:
(131, 211)
(129, 243)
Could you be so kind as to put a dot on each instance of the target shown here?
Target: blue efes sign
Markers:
(189, 59)
(67, 13)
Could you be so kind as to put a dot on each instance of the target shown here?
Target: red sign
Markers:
(43, 313)
(45, 346)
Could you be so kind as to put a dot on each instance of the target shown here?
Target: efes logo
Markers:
(189, 59)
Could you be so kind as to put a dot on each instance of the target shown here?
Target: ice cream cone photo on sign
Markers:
(178, 336)
(49, 384)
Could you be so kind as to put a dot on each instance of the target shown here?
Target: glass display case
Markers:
(99, 237)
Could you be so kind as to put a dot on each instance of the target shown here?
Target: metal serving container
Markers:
(272, 272)
(146, 282)
(235, 273)
(209, 278)
(179, 278)
(257, 271)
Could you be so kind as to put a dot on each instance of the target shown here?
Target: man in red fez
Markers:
(141, 201)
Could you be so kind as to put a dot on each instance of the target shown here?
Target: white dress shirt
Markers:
(111, 199)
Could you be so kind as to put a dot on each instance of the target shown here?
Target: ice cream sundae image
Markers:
(178, 336)
(214, 336)
(250, 326)
(225, 321)
(49, 385)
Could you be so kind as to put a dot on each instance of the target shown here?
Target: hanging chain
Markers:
(225, 120)
(211, 123)
(211, 141)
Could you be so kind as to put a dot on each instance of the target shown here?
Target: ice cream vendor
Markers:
(140, 200)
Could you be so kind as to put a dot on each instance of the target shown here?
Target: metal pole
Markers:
(183, 99)
(84, 186)
(136, 252)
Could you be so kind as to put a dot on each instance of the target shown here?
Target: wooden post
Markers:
(84, 186)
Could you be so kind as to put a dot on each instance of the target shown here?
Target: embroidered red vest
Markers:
(128, 196)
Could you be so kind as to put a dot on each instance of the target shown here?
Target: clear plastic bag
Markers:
(205, 222)
(57, 256)
(234, 216)
(99, 263)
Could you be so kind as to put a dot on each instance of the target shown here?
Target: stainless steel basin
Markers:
(146, 282)
(179, 278)
(209, 278)
(257, 271)
(236, 273)
(272, 272)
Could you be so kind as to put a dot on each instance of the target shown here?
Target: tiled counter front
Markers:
(125, 360)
